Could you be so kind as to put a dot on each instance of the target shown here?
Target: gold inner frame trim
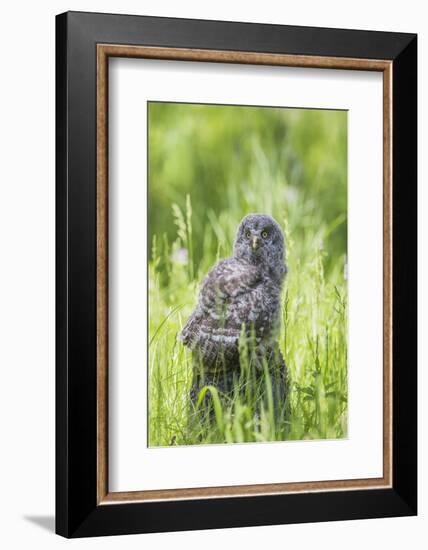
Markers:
(104, 51)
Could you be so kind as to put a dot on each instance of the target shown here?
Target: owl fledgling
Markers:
(240, 299)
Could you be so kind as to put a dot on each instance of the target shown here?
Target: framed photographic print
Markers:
(236, 274)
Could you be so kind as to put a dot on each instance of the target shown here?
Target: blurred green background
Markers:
(209, 166)
(290, 163)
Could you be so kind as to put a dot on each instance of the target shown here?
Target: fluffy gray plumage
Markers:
(241, 293)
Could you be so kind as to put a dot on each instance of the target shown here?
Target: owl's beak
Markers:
(255, 243)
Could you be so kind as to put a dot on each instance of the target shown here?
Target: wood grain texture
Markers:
(255, 58)
(387, 275)
(104, 51)
(102, 275)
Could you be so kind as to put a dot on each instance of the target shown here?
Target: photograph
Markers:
(247, 274)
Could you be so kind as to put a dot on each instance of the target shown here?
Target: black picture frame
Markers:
(77, 511)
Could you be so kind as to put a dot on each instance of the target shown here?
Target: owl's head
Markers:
(260, 241)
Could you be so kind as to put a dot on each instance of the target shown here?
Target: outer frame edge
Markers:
(61, 266)
(405, 274)
(122, 519)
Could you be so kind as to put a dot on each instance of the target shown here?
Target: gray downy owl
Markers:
(240, 298)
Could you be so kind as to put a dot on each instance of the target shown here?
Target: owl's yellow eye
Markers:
(248, 234)
(265, 234)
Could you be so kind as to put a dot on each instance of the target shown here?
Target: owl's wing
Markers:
(225, 283)
(221, 310)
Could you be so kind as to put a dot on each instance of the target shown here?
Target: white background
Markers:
(27, 274)
(133, 82)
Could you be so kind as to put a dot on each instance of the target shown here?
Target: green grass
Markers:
(208, 167)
